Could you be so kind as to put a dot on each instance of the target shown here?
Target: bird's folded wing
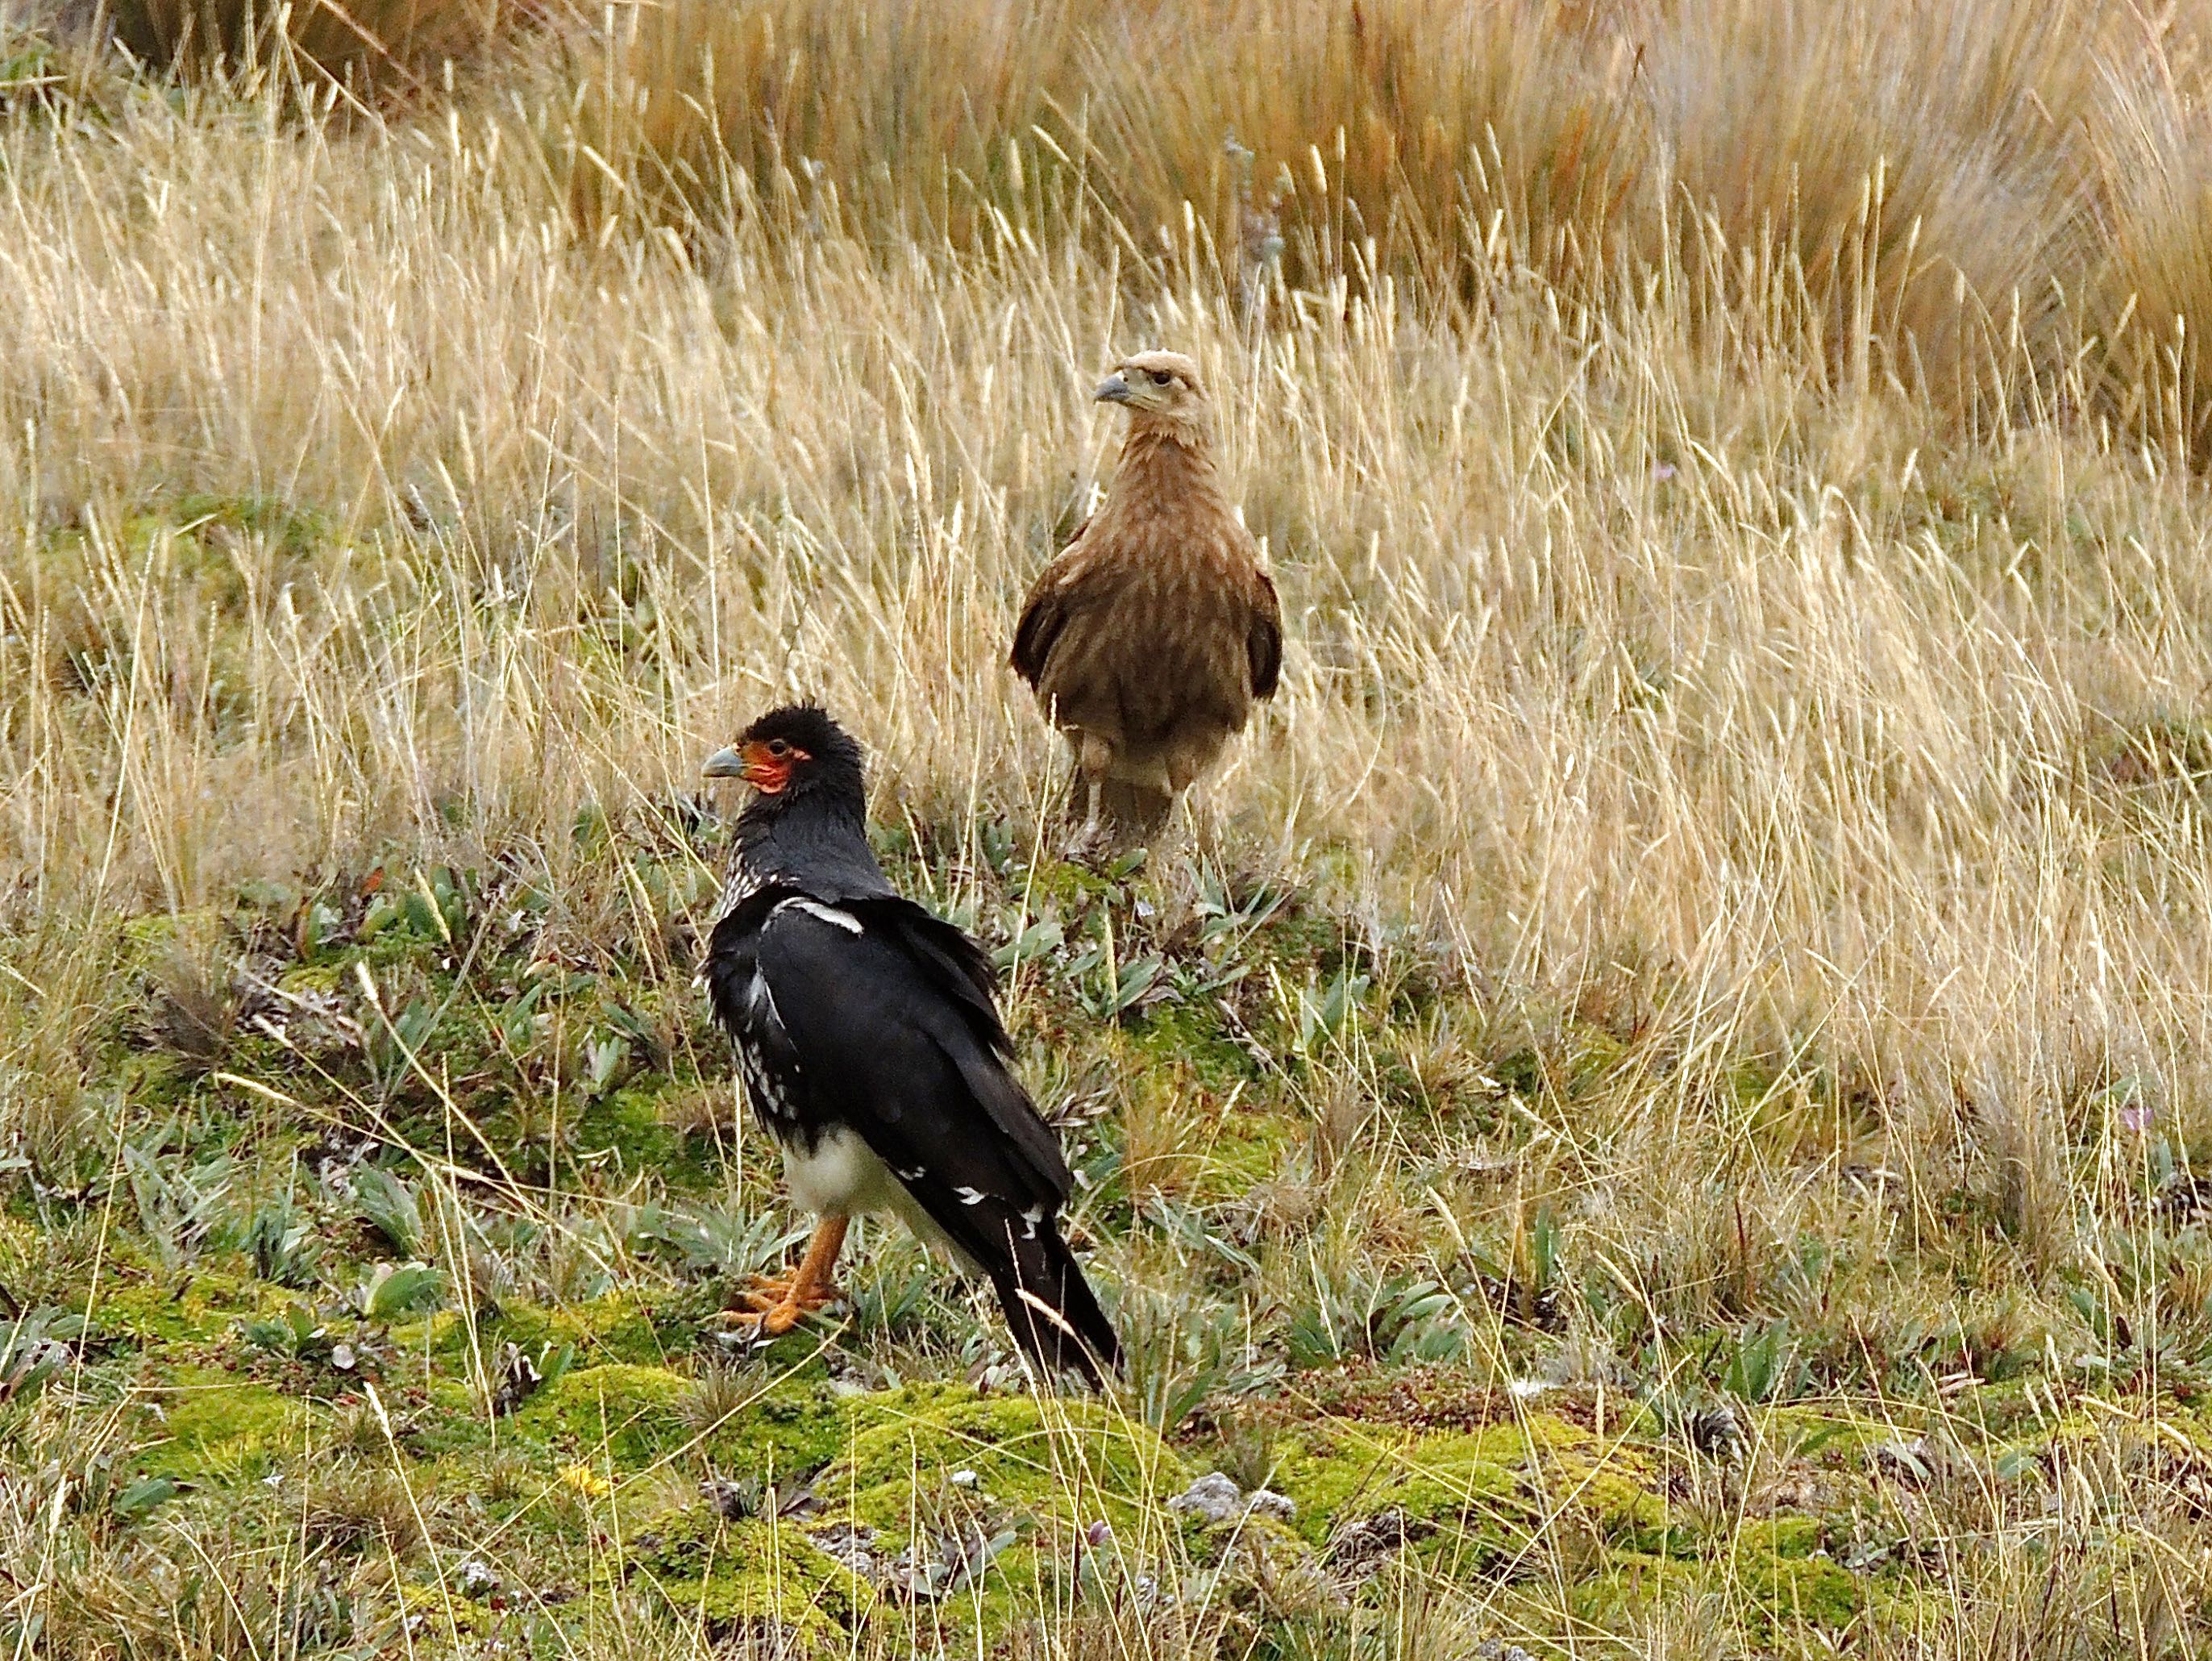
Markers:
(1053, 600)
(1263, 640)
(950, 959)
(1041, 620)
(887, 1040)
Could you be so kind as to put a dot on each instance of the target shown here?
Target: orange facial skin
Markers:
(767, 766)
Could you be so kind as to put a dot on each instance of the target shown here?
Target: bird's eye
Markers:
(1160, 377)
(778, 747)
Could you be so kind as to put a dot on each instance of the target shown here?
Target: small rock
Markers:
(1213, 1499)
(1266, 1502)
(851, 1545)
(476, 1579)
(965, 1478)
(342, 1357)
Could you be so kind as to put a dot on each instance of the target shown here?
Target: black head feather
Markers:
(835, 753)
(813, 833)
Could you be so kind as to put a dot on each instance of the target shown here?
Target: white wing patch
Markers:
(829, 914)
(760, 998)
(968, 1195)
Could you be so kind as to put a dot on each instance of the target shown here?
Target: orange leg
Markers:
(776, 1302)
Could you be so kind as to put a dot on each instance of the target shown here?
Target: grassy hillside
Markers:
(1653, 1102)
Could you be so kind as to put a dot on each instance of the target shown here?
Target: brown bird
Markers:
(1148, 638)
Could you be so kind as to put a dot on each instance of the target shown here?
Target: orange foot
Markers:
(775, 1304)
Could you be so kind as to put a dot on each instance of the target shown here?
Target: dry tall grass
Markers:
(1934, 184)
(388, 51)
(1720, 618)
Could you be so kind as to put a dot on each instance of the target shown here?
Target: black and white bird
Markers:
(870, 1043)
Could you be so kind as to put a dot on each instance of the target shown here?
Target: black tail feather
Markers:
(1052, 1312)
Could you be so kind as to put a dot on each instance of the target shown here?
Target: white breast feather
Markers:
(842, 1178)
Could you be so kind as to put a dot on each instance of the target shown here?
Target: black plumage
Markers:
(869, 1038)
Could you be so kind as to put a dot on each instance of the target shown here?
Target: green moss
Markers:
(436, 1610)
(617, 1326)
(887, 1464)
(1832, 1435)
(798, 1425)
(1058, 887)
(199, 1309)
(626, 1124)
(1793, 1592)
(731, 1577)
(295, 530)
(1782, 1536)
(216, 1427)
(892, 1460)
(631, 1416)
(1193, 1037)
(148, 937)
(1067, 1459)
(627, 1415)
(453, 1426)
(1339, 1470)
(1768, 1597)
(1487, 1489)
(1251, 1148)
(154, 1079)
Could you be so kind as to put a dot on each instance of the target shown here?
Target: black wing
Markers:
(1042, 619)
(1044, 614)
(1263, 641)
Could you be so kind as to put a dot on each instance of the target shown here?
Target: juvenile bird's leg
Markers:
(774, 1303)
(1092, 757)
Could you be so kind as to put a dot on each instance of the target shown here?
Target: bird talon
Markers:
(775, 1292)
(771, 1321)
(772, 1305)
(771, 1317)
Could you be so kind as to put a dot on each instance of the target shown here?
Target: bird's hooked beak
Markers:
(753, 762)
(1114, 389)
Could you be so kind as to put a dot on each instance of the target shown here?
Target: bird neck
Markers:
(816, 840)
(1163, 450)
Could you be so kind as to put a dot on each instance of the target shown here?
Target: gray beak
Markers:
(724, 765)
(1112, 390)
